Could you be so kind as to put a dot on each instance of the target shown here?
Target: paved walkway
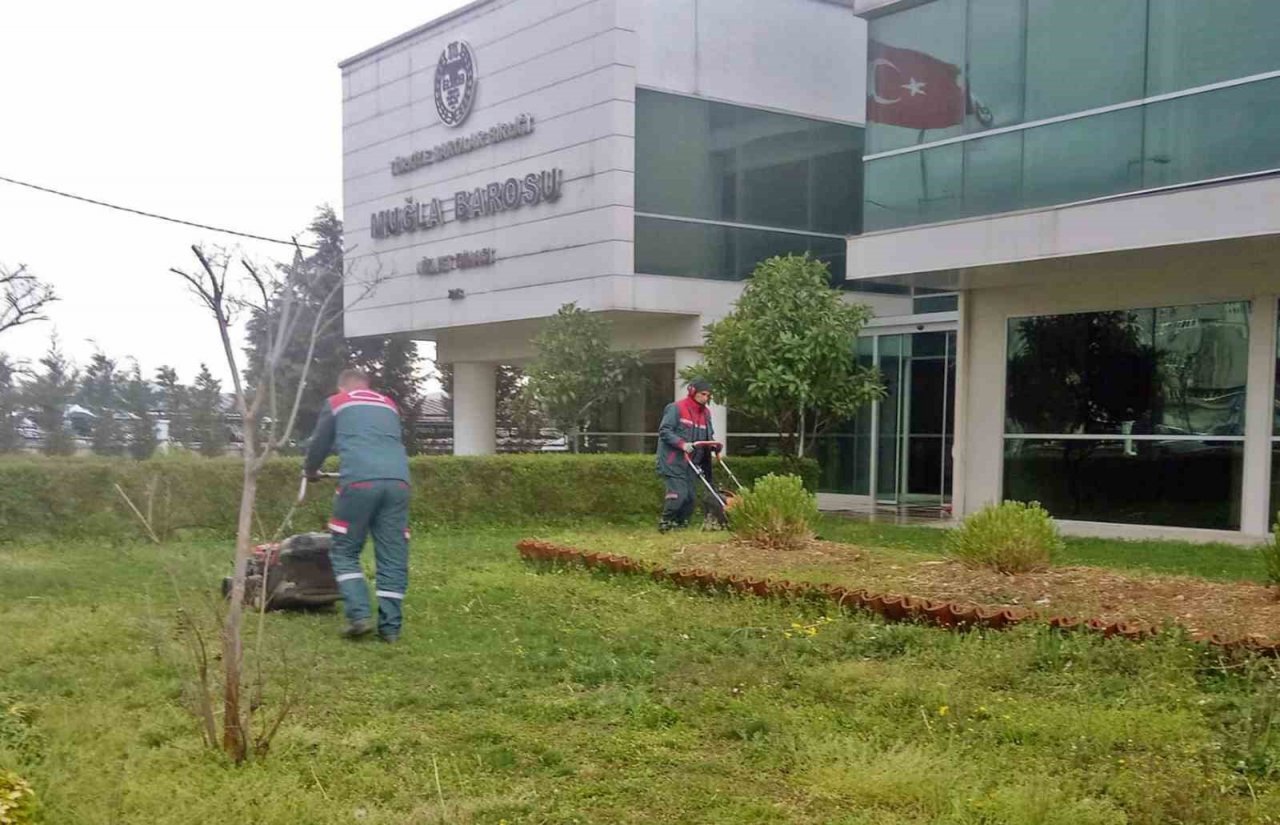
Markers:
(926, 515)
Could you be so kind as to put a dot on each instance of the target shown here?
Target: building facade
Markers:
(1064, 214)
(1105, 202)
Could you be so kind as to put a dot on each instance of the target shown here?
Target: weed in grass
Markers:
(17, 800)
(1269, 552)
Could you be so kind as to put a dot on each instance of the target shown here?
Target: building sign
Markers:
(513, 193)
(456, 82)
(519, 127)
(461, 260)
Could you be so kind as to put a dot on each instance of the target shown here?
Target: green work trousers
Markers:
(380, 508)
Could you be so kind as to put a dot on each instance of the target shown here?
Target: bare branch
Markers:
(24, 298)
(215, 295)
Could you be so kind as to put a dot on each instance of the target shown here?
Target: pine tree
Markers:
(318, 272)
(10, 440)
(138, 399)
(208, 421)
(172, 397)
(100, 394)
(48, 395)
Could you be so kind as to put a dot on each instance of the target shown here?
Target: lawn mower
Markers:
(724, 499)
(296, 571)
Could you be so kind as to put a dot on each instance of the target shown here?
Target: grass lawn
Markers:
(557, 696)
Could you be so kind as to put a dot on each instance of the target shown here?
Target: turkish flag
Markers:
(913, 89)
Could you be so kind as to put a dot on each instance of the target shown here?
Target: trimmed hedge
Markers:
(76, 497)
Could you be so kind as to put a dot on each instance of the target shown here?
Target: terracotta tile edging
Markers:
(889, 606)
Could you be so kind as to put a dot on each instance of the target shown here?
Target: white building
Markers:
(1064, 212)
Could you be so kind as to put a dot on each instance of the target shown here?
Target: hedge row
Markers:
(77, 497)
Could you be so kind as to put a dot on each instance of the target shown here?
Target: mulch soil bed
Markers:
(1230, 609)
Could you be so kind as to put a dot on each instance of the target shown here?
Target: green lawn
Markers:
(556, 696)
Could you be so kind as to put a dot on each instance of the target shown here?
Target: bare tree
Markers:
(25, 298)
(277, 296)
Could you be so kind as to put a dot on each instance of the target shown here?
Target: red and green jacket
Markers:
(683, 422)
(363, 428)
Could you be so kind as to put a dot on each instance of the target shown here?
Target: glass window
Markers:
(1166, 371)
(923, 304)
(702, 159)
(1083, 54)
(1164, 387)
(843, 452)
(935, 32)
(1082, 159)
(1173, 483)
(1215, 134)
(1210, 135)
(996, 61)
(1193, 42)
(724, 253)
(1275, 436)
(920, 187)
(993, 174)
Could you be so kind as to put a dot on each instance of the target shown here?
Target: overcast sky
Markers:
(226, 114)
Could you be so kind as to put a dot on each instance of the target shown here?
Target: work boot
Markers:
(357, 629)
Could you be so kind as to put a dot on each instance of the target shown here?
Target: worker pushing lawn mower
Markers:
(687, 449)
(363, 427)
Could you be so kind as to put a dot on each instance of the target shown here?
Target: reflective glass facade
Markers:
(667, 246)
(746, 177)
(1021, 61)
(899, 448)
(1132, 416)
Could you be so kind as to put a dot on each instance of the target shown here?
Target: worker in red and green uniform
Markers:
(684, 422)
(363, 427)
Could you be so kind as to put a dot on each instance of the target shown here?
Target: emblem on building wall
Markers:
(456, 82)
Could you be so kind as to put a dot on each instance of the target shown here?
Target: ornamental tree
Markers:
(785, 354)
(576, 370)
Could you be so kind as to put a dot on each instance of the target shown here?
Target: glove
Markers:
(688, 448)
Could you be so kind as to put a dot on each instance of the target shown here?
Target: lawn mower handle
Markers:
(302, 488)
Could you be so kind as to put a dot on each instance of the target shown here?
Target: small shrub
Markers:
(17, 800)
(1012, 537)
(777, 511)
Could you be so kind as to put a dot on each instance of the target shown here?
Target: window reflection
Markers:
(1017, 61)
(1166, 385)
(702, 159)
(727, 253)
(1173, 483)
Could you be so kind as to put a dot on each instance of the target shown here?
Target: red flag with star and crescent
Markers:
(913, 89)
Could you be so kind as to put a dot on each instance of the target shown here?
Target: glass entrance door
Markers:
(914, 422)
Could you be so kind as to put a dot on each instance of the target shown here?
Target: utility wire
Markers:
(152, 214)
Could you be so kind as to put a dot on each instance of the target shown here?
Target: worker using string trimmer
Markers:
(684, 423)
(363, 427)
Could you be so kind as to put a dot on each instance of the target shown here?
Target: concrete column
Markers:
(1255, 506)
(960, 406)
(687, 357)
(475, 394)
